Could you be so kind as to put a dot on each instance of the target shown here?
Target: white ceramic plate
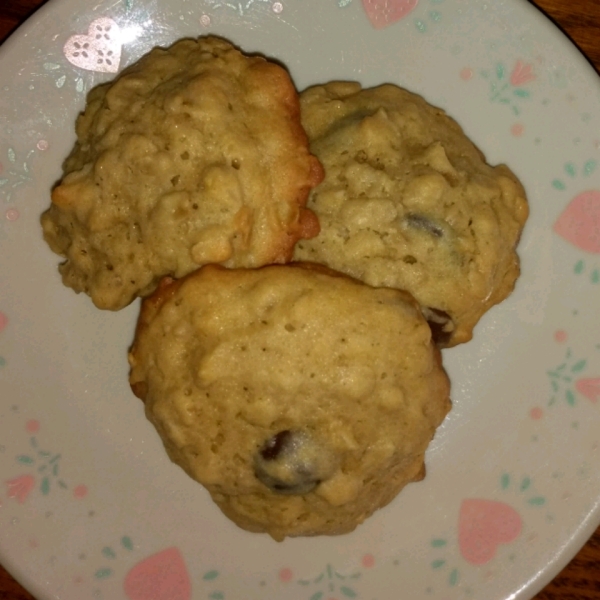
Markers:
(90, 506)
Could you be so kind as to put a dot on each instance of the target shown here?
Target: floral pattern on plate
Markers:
(86, 488)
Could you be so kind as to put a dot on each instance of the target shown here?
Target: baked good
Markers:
(303, 400)
(193, 155)
(409, 202)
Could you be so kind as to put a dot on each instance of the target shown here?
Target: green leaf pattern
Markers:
(502, 91)
(562, 379)
(17, 173)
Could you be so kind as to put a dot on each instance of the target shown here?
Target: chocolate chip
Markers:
(425, 224)
(274, 446)
(441, 325)
(293, 463)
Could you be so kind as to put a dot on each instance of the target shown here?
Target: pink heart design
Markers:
(162, 576)
(483, 525)
(20, 487)
(579, 223)
(99, 50)
(590, 388)
(382, 13)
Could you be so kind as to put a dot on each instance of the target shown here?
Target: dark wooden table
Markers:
(580, 19)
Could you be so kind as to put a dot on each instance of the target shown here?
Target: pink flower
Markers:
(20, 487)
(522, 74)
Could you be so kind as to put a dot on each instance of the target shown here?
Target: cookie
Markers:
(409, 202)
(303, 400)
(193, 155)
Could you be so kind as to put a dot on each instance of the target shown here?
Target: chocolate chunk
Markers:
(425, 224)
(291, 462)
(276, 445)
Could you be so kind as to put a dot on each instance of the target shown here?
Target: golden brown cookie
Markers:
(302, 399)
(193, 155)
(409, 202)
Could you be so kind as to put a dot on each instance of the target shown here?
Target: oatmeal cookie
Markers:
(302, 399)
(195, 154)
(409, 202)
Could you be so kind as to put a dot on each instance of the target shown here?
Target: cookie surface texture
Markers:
(193, 155)
(409, 202)
(301, 399)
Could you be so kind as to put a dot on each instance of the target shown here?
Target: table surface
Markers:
(580, 20)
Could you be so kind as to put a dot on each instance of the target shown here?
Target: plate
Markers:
(90, 506)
